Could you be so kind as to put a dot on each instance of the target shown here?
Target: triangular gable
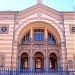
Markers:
(38, 8)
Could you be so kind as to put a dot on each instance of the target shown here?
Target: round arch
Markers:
(53, 61)
(54, 53)
(39, 60)
(39, 51)
(24, 61)
(33, 25)
(20, 54)
(31, 21)
(28, 31)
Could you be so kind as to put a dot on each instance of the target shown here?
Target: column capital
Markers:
(46, 57)
(19, 57)
(46, 41)
(31, 40)
(62, 44)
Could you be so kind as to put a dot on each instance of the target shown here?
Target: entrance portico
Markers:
(39, 41)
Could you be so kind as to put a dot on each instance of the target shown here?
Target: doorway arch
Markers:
(24, 61)
(39, 61)
(52, 61)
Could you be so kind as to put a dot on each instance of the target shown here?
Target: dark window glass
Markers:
(38, 35)
(73, 29)
(38, 63)
(26, 38)
(25, 63)
(52, 63)
(51, 39)
(1, 61)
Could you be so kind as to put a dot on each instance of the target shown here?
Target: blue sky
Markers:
(18, 5)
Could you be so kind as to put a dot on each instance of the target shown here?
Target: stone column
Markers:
(31, 64)
(64, 64)
(46, 60)
(31, 33)
(58, 63)
(74, 61)
(46, 34)
(31, 56)
(19, 63)
(46, 63)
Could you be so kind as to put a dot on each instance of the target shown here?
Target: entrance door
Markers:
(24, 61)
(53, 61)
(39, 61)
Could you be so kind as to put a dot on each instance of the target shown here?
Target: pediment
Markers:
(39, 9)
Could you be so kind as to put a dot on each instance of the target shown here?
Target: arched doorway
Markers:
(39, 34)
(39, 61)
(53, 61)
(24, 61)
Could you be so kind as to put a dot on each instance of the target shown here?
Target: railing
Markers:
(39, 42)
(27, 72)
(25, 43)
(54, 47)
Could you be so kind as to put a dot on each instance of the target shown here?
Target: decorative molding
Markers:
(39, 14)
(55, 52)
(39, 1)
(62, 44)
(42, 19)
(4, 28)
(70, 63)
(23, 51)
(72, 29)
(37, 8)
(43, 52)
(2, 60)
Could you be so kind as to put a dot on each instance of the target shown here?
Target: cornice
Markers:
(35, 9)
(37, 6)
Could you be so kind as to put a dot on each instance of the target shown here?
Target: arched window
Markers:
(26, 38)
(38, 34)
(53, 61)
(38, 63)
(1, 61)
(51, 39)
(24, 61)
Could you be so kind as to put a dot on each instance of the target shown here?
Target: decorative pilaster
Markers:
(46, 34)
(46, 63)
(58, 63)
(19, 63)
(46, 60)
(31, 64)
(64, 64)
(31, 34)
(31, 57)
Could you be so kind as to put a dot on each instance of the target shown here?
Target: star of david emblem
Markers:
(3, 29)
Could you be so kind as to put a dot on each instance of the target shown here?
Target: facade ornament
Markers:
(39, 1)
(39, 14)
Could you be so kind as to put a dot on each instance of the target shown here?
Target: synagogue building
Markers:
(37, 38)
